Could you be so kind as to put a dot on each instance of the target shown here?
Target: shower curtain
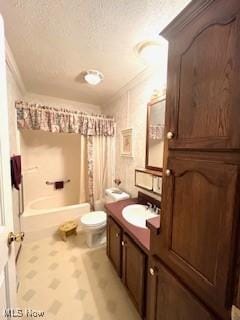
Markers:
(103, 167)
(83, 179)
(97, 169)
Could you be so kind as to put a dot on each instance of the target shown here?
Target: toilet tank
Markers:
(115, 194)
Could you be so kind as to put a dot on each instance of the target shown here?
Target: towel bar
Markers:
(52, 183)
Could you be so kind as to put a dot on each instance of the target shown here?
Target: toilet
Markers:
(94, 223)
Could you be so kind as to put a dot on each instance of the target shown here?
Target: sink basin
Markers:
(137, 214)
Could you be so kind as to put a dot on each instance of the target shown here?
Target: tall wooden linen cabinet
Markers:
(193, 268)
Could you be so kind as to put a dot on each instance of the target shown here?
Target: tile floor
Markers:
(70, 281)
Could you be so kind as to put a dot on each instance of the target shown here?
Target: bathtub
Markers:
(42, 217)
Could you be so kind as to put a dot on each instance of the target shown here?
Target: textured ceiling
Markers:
(53, 41)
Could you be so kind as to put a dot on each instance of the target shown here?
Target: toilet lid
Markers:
(94, 218)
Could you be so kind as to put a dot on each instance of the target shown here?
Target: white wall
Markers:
(50, 157)
(129, 108)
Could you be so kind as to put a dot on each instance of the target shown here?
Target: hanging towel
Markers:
(59, 184)
(16, 171)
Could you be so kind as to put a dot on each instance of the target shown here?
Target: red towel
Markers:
(59, 184)
(16, 171)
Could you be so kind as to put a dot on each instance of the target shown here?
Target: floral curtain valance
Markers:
(40, 117)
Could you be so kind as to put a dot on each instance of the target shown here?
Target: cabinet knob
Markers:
(151, 271)
(117, 235)
(170, 135)
(168, 172)
(124, 244)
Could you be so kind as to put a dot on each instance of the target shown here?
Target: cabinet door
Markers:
(114, 248)
(204, 72)
(134, 267)
(169, 299)
(198, 222)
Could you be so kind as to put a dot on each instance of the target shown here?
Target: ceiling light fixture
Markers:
(93, 77)
(152, 52)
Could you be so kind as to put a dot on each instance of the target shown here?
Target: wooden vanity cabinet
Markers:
(169, 299)
(130, 263)
(134, 272)
(114, 244)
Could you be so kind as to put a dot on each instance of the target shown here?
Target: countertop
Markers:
(140, 235)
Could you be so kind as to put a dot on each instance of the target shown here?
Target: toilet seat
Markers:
(95, 219)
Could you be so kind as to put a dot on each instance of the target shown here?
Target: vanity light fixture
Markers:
(93, 77)
(152, 52)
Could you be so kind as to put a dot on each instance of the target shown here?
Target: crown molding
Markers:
(145, 74)
(193, 9)
(12, 65)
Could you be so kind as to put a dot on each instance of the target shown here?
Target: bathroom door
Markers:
(7, 256)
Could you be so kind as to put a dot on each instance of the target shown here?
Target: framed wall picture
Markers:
(127, 143)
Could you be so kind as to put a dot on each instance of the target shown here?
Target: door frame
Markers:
(7, 265)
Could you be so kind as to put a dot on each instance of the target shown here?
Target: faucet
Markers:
(156, 210)
(149, 206)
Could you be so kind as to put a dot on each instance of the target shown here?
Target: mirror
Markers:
(155, 134)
